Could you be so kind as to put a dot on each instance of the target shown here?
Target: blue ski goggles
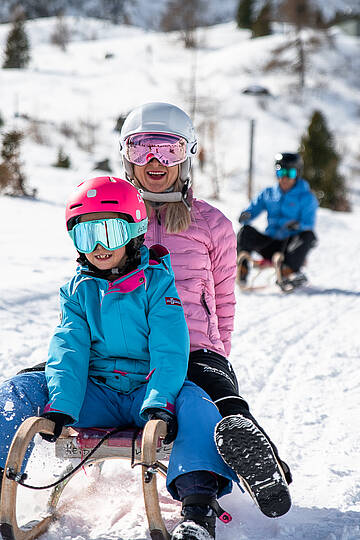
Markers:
(289, 173)
(111, 233)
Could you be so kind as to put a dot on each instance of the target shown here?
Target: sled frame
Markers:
(151, 449)
(259, 265)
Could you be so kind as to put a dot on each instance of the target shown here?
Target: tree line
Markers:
(321, 160)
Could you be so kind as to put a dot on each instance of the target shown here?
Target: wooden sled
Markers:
(77, 444)
(259, 265)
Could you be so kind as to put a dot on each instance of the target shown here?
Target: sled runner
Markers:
(134, 443)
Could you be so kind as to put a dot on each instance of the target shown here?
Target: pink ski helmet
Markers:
(104, 194)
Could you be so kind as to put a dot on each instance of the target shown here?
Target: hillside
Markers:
(296, 356)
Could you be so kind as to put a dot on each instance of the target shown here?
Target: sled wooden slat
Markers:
(146, 447)
(10, 529)
(152, 431)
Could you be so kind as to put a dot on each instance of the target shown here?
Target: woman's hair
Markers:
(177, 216)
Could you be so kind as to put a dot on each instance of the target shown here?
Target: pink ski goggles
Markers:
(168, 149)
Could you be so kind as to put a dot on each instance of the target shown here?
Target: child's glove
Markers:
(170, 419)
(60, 420)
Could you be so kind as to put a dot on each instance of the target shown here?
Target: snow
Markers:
(296, 356)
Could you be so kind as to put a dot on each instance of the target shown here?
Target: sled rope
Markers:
(19, 478)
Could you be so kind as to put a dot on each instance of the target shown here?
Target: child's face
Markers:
(102, 258)
(156, 177)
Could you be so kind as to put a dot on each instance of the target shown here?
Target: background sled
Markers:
(274, 277)
(260, 267)
(129, 444)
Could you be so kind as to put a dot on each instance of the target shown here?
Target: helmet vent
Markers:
(109, 202)
(75, 206)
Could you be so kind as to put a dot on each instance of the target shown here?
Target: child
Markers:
(119, 355)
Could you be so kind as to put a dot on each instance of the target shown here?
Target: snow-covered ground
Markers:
(296, 356)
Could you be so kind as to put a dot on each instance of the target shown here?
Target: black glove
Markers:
(292, 225)
(60, 420)
(170, 419)
(244, 216)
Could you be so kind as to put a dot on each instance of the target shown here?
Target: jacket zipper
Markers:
(203, 301)
(157, 228)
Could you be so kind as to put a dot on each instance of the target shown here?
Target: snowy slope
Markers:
(296, 356)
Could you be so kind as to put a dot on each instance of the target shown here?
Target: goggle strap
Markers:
(136, 229)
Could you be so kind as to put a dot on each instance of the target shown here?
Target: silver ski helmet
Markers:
(158, 117)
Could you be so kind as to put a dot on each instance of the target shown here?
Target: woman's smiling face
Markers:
(156, 177)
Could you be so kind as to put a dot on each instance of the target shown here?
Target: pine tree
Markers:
(321, 163)
(12, 180)
(244, 14)
(261, 26)
(17, 53)
(63, 160)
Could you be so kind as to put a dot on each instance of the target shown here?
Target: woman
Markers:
(157, 144)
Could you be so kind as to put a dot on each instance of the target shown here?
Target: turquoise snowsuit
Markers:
(120, 334)
(121, 347)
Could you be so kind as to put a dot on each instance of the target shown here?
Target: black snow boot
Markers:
(198, 521)
(246, 449)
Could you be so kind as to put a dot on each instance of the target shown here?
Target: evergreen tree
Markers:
(244, 14)
(261, 26)
(17, 53)
(63, 161)
(12, 180)
(321, 163)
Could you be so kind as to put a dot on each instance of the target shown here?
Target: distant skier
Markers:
(291, 212)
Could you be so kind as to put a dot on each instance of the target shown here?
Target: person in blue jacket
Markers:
(120, 353)
(291, 212)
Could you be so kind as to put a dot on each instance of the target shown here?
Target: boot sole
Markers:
(247, 451)
(190, 532)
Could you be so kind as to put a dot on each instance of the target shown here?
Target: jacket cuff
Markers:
(159, 402)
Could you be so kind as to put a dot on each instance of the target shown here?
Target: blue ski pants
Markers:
(194, 448)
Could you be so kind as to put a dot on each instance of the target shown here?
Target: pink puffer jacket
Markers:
(204, 263)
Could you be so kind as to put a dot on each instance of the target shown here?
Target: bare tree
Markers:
(185, 16)
(61, 33)
(301, 14)
(12, 179)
